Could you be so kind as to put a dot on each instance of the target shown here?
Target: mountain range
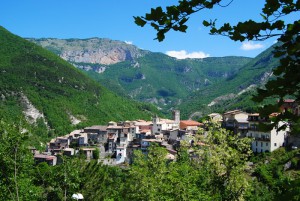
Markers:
(196, 86)
(50, 96)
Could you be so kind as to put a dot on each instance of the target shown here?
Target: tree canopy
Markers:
(286, 82)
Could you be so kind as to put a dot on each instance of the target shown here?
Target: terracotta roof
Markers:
(145, 130)
(47, 157)
(289, 100)
(190, 123)
(274, 114)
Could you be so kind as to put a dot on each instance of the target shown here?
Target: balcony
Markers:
(257, 119)
(264, 139)
(243, 127)
(229, 125)
(253, 128)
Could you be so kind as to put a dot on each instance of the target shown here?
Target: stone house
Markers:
(96, 134)
(236, 121)
(83, 139)
(69, 152)
(49, 159)
(88, 152)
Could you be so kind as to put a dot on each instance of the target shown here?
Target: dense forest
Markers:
(224, 168)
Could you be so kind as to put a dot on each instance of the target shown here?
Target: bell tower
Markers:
(176, 117)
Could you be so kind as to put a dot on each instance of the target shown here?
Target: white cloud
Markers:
(251, 46)
(128, 42)
(182, 54)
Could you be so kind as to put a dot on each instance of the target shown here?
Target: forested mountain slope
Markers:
(235, 92)
(46, 90)
(143, 75)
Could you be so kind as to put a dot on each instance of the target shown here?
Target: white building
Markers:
(120, 155)
(265, 141)
(160, 125)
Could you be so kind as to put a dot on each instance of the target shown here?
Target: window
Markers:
(256, 143)
(275, 144)
(158, 129)
(267, 144)
(261, 144)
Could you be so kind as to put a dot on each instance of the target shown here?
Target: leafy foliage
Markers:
(16, 165)
(270, 171)
(217, 170)
(272, 25)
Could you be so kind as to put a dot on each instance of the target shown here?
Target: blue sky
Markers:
(113, 19)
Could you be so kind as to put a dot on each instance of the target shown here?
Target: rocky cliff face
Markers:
(92, 51)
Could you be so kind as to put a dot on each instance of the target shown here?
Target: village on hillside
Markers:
(116, 141)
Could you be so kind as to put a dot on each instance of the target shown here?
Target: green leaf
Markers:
(139, 21)
(206, 23)
(263, 16)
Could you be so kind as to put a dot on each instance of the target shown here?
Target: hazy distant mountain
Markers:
(39, 86)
